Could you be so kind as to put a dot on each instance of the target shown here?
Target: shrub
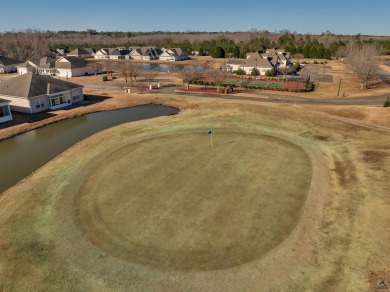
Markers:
(315, 62)
(387, 103)
(310, 86)
(296, 66)
(240, 71)
(270, 73)
(255, 72)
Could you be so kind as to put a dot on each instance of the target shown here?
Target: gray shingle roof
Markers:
(8, 61)
(73, 62)
(78, 51)
(30, 85)
(236, 61)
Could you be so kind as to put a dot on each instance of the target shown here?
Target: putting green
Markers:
(176, 202)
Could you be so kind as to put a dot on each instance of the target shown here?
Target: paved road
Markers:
(270, 97)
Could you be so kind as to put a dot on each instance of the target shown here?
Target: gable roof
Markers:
(144, 51)
(8, 61)
(43, 62)
(103, 51)
(90, 50)
(72, 63)
(30, 85)
(62, 50)
(79, 51)
(256, 59)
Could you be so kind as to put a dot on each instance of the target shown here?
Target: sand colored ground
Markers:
(375, 115)
(350, 85)
(340, 242)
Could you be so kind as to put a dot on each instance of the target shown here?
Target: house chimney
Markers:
(48, 88)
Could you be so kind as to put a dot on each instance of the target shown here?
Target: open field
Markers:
(283, 200)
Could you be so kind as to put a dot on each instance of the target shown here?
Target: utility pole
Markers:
(338, 92)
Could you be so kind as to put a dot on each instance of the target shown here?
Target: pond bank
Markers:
(99, 101)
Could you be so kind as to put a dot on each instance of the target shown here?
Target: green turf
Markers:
(177, 202)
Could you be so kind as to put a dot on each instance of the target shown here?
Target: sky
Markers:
(303, 16)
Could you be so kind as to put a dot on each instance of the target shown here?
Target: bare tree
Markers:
(134, 71)
(23, 45)
(125, 69)
(96, 66)
(218, 77)
(365, 61)
(109, 66)
(189, 76)
(149, 75)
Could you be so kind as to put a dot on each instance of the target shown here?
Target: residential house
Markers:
(81, 53)
(124, 54)
(5, 111)
(45, 66)
(32, 93)
(91, 51)
(144, 53)
(8, 65)
(53, 53)
(63, 67)
(72, 67)
(255, 60)
(102, 54)
(278, 56)
(26, 67)
(173, 54)
(62, 51)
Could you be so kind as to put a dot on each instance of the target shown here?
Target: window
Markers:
(57, 99)
(40, 103)
(4, 111)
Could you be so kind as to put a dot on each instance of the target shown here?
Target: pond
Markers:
(23, 154)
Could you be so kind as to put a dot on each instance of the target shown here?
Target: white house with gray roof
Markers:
(63, 67)
(8, 65)
(255, 60)
(144, 53)
(72, 67)
(81, 53)
(45, 66)
(31, 93)
(173, 54)
(5, 111)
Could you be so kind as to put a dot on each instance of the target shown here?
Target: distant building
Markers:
(173, 54)
(255, 60)
(63, 67)
(8, 65)
(81, 53)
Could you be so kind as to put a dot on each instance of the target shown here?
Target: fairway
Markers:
(178, 202)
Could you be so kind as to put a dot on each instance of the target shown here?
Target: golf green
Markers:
(183, 202)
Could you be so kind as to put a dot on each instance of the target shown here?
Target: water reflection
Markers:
(23, 154)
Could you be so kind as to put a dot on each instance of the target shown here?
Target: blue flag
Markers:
(209, 132)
